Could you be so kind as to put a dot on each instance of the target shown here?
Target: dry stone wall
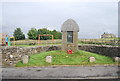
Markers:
(111, 51)
(12, 54)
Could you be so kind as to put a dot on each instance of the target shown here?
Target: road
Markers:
(61, 72)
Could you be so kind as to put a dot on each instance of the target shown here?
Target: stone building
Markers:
(70, 31)
(108, 35)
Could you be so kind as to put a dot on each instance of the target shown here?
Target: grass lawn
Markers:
(62, 58)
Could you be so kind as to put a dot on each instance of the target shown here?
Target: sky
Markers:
(94, 18)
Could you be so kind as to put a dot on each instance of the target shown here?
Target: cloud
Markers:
(93, 18)
(59, 0)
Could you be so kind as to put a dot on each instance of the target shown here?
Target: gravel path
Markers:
(56, 72)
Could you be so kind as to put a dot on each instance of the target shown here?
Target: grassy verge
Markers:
(62, 58)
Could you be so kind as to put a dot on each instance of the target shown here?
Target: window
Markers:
(70, 36)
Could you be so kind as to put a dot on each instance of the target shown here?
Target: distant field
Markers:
(27, 43)
(107, 41)
(34, 45)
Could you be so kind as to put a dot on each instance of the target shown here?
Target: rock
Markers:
(11, 56)
(49, 59)
(5, 59)
(10, 62)
(52, 48)
(92, 59)
(117, 59)
(25, 59)
(20, 56)
(34, 51)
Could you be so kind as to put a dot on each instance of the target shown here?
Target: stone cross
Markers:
(70, 31)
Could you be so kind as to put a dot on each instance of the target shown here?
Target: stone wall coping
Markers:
(98, 45)
(6, 47)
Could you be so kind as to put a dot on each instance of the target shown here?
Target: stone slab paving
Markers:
(62, 72)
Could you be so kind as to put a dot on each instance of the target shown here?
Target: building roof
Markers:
(108, 34)
(70, 25)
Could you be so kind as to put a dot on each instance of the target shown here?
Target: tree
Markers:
(44, 31)
(57, 35)
(32, 34)
(18, 34)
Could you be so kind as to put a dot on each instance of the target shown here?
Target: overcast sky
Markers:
(93, 18)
